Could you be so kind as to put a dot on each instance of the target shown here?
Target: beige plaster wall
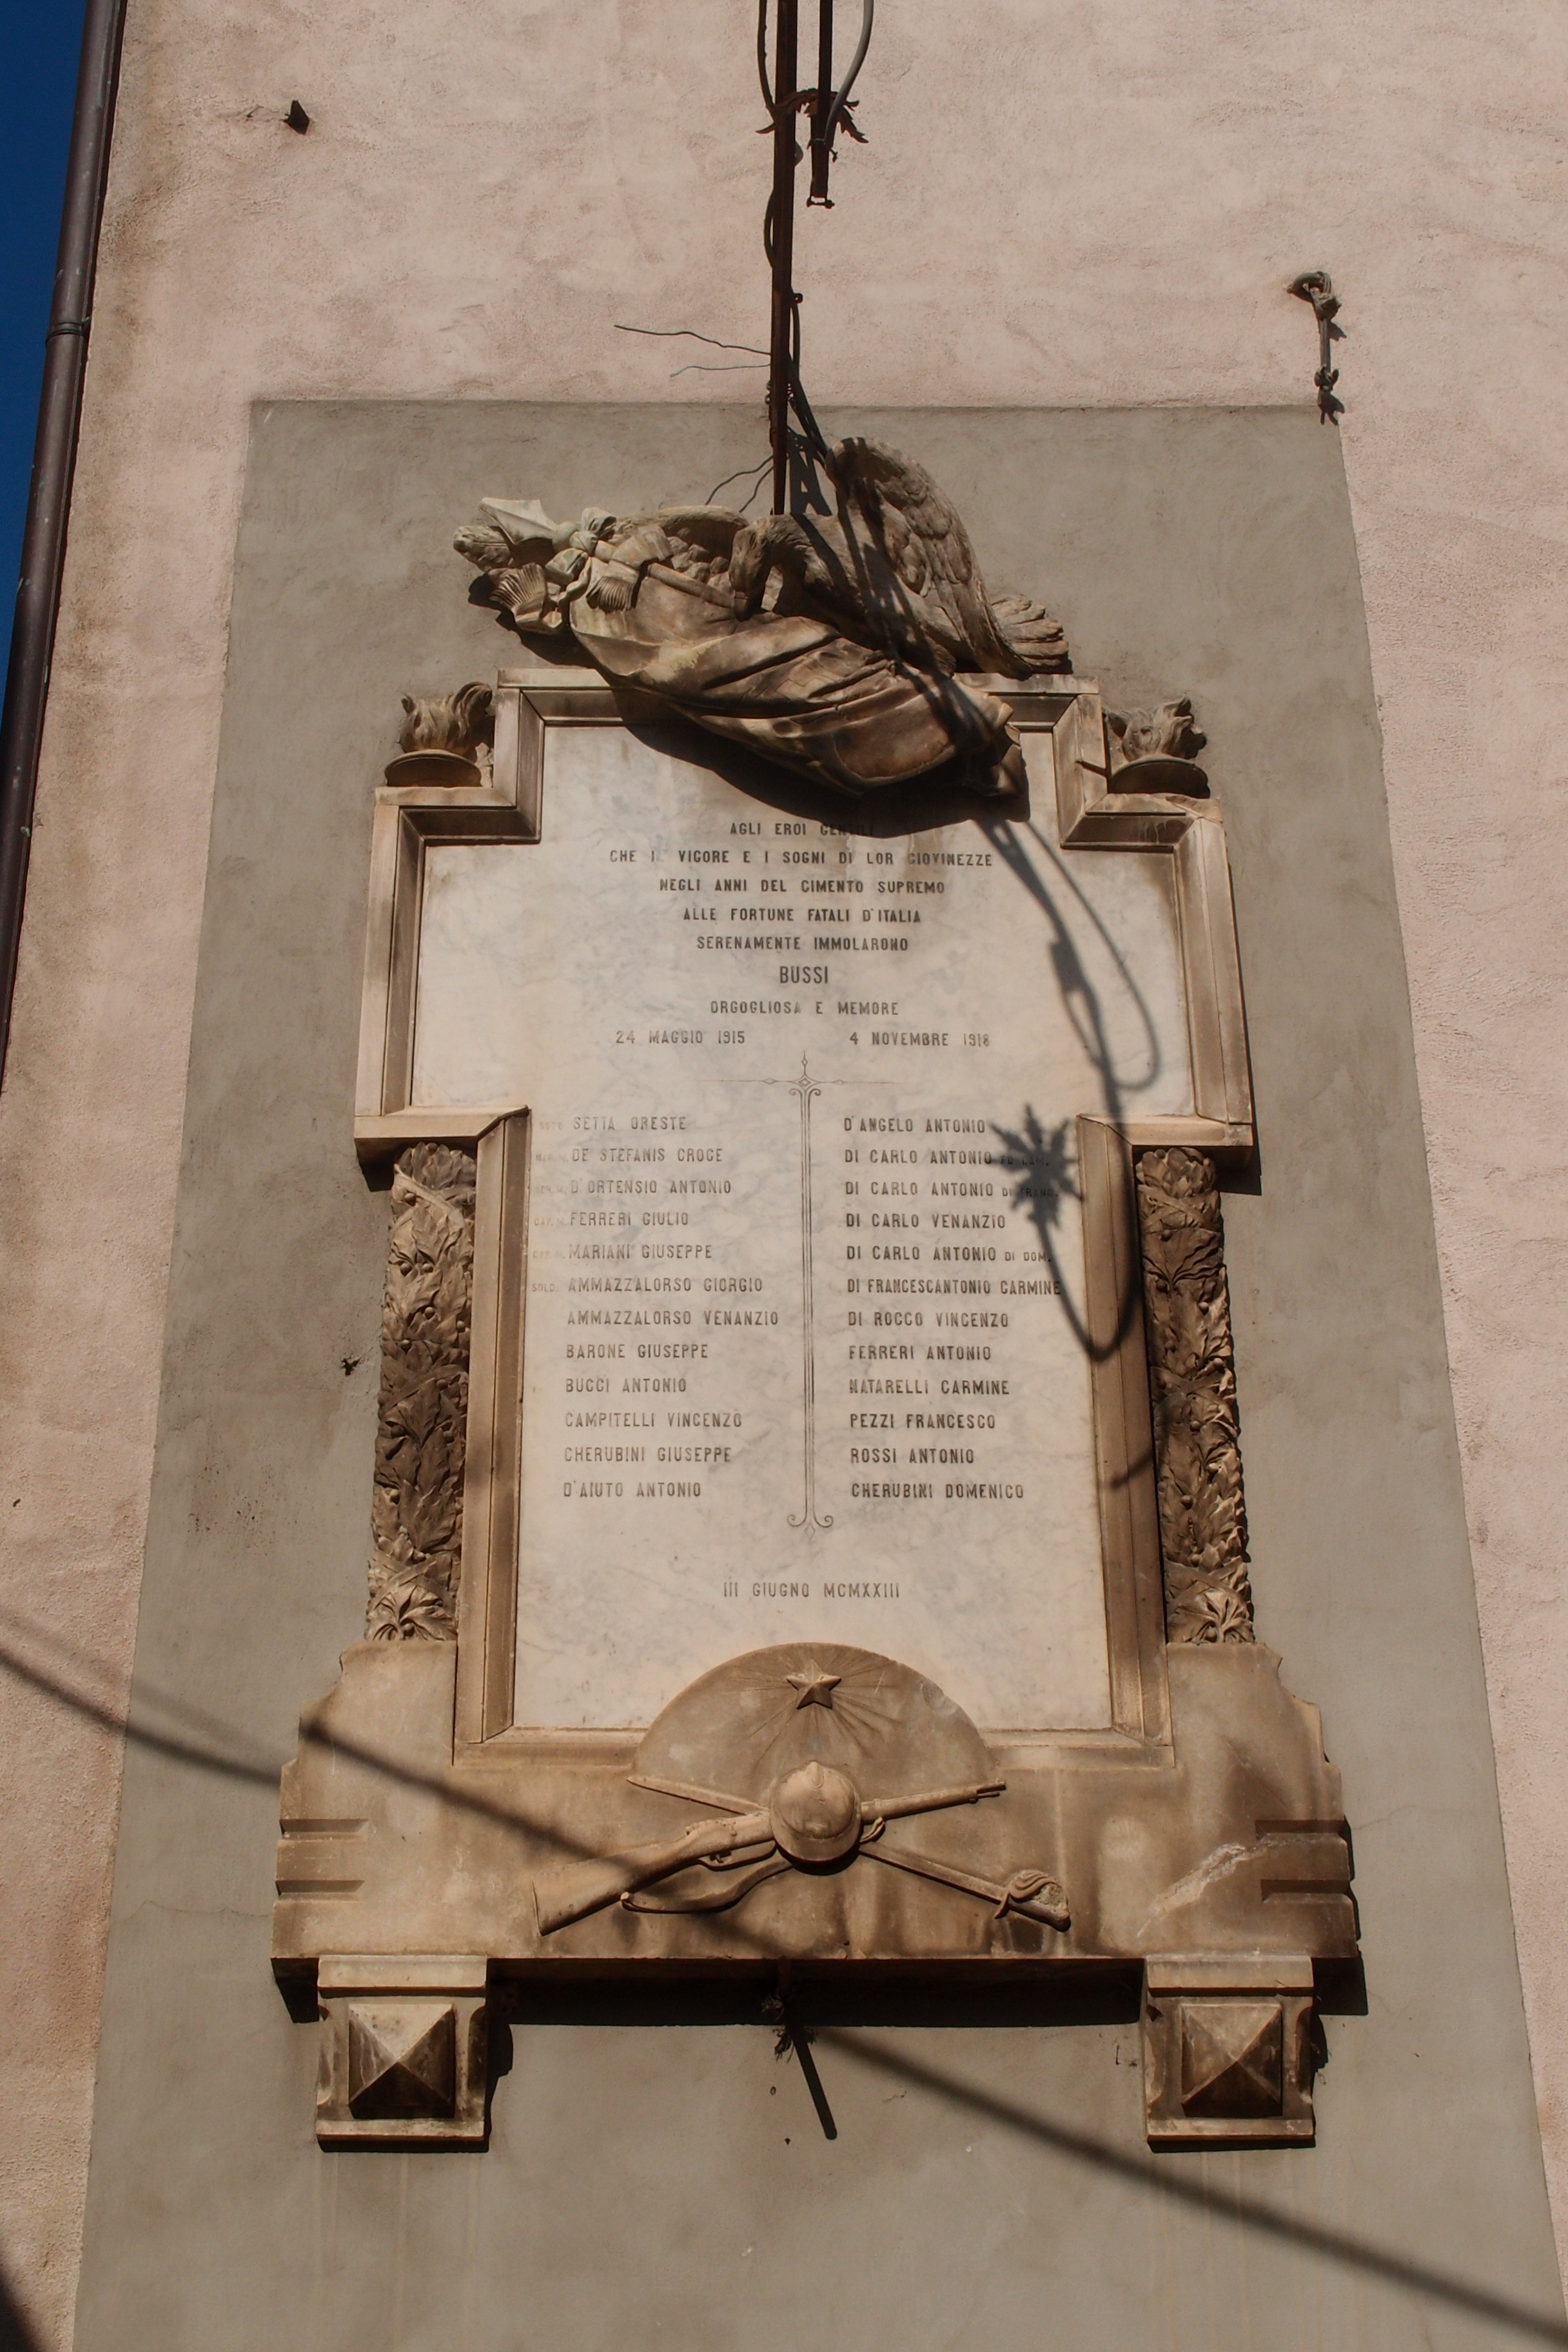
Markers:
(1066, 202)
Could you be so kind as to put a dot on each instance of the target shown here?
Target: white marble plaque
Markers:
(803, 1350)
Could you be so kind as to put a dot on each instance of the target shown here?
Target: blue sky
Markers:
(39, 45)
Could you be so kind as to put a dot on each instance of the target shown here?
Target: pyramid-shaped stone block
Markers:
(402, 2059)
(1231, 2058)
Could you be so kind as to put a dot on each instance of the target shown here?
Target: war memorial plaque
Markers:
(804, 1353)
(806, 1030)
(708, 1344)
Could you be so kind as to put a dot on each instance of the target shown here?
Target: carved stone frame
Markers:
(417, 1807)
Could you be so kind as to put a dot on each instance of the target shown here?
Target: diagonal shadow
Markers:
(180, 1748)
(1155, 2175)
(1247, 2212)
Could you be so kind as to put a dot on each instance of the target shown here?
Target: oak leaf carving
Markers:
(416, 1507)
(1192, 1367)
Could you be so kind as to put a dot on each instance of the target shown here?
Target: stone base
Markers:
(1227, 2058)
(403, 2043)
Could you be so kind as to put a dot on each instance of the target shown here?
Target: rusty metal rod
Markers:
(821, 109)
(782, 214)
(841, 96)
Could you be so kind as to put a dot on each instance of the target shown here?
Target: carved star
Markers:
(814, 1686)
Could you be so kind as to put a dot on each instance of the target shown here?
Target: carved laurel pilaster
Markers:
(417, 1513)
(1191, 1367)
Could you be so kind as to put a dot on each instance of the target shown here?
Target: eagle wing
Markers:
(928, 590)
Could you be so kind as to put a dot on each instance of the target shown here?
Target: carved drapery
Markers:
(1191, 1367)
(417, 1513)
(851, 646)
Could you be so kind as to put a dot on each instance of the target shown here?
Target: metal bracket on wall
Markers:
(1316, 286)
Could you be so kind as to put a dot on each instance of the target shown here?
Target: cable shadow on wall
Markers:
(703, 2003)
(1041, 1159)
(1044, 1161)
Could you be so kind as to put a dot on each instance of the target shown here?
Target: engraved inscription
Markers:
(804, 1333)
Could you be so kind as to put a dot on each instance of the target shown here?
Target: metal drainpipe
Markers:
(54, 463)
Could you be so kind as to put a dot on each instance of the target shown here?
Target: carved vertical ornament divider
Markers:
(1192, 1367)
(416, 1512)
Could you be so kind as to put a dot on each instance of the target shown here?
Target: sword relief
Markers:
(775, 1719)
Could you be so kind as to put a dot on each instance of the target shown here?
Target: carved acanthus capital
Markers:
(1192, 1365)
(416, 1512)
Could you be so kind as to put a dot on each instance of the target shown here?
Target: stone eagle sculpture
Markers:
(853, 648)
